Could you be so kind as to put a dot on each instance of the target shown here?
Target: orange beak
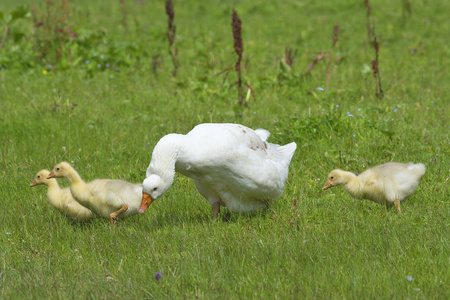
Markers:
(146, 201)
(327, 185)
(51, 175)
(33, 183)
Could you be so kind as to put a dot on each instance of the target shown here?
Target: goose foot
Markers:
(397, 204)
(113, 216)
(216, 210)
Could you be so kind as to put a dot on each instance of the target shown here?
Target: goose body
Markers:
(61, 199)
(388, 183)
(106, 197)
(232, 165)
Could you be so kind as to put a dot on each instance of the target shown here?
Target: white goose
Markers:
(386, 184)
(61, 199)
(232, 166)
(107, 197)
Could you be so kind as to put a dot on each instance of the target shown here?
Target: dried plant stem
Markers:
(318, 58)
(330, 53)
(376, 70)
(236, 24)
(289, 56)
(5, 34)
(171, 36)
(123, 7)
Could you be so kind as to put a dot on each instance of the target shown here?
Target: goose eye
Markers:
(154, 189)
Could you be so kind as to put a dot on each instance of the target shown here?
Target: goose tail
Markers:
(263, 134)
(287, 151)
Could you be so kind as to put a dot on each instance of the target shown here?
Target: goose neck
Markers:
(165, 156)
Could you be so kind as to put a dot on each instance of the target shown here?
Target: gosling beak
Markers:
(327, 185)
(51, 175)
(146, 201)
(33, 183)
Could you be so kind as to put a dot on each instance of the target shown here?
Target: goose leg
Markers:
(397, 204)
(113, 216)
(216, 210)
(210, 195)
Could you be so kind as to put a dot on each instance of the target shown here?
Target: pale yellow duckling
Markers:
(61, 199)
(107, 197)
(386, 184)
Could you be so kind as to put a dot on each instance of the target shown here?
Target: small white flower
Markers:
(409, 278)
(320, 89)
(64, 148)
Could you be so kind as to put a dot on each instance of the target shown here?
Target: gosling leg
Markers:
(113, 216)
(397, 204)
(216, 210)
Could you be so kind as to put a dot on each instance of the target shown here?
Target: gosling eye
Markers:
(57, 169)
(39, 176)
(331, 177)
(154, 189)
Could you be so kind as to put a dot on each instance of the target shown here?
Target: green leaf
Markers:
(21, 12)
(17, 36)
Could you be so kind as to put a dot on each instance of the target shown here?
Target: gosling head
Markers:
(60, 170)
(41, 178)
(334, 178)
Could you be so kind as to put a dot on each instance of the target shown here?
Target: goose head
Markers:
(336, 177)
(41, 178)
(60, 170)
(153, 187)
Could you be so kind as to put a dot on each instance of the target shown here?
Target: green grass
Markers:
(329, 246)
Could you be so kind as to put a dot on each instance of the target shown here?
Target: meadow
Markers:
(93, 85)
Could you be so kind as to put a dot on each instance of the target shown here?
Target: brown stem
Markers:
(5, 33)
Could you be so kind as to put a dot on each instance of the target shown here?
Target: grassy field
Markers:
(105, 104)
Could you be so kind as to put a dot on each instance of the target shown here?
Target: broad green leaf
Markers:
(21, 12)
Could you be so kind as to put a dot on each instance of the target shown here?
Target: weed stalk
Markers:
(289, 56)
(123, 8)
(319, 57)
(376, 70)
(330, 53)
(236, 25)
(171, 36)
